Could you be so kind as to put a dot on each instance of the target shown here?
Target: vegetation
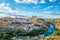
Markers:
(15, 23)
(36, 25)
(34, 32)
(56, 33)
(8, 34)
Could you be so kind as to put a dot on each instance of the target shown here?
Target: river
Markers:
(50, 30)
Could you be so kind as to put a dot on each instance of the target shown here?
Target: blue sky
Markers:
(39, 8)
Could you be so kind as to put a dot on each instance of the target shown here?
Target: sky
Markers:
(28, 8)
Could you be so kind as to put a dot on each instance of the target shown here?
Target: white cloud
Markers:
(27, 1)
(52, 0)
(48, 7)
(2, 10)
(52, 7)
(17, 1)
(2, 4)
(7, 4)
(42, 1)
(49, 14)
(30, 1)
(6, 10)
(3, 15)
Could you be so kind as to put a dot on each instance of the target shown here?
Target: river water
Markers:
(50, 30)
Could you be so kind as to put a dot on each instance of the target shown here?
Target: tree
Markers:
(6, 35)
(57, 33)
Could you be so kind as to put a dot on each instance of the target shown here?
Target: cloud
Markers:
(42, 1)
(27, 1)
(2, 4)
(52, 0)
(49, 14)
(30, 1)
(52, 7)
(7, 10)
(17, 1)
(56, 13)
(3, 15)
(48, 7)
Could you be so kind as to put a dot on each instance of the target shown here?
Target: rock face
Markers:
(51, 38)
(57, 25)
